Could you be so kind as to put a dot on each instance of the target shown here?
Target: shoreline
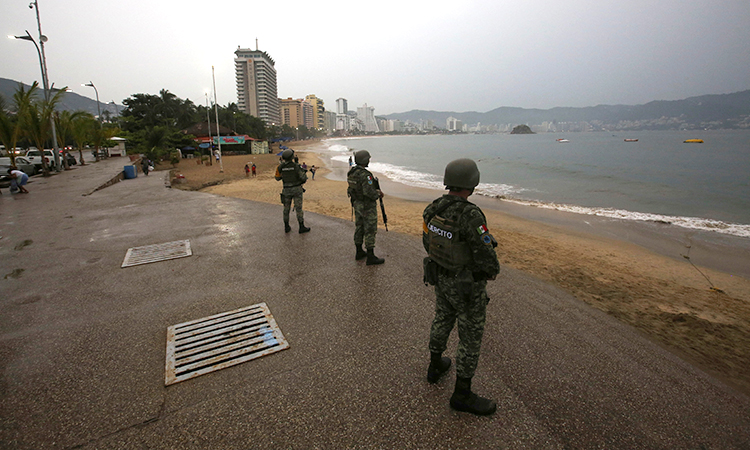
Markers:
(721, 252)
(653, 289)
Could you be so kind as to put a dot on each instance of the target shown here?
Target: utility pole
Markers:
(45, 80)
(210, 140)
(218, 132)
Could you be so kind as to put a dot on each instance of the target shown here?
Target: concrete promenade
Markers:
(82, 340)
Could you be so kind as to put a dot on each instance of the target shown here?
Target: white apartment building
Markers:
(453, 124)
(341, 106)
(367, 115)
(256, 85)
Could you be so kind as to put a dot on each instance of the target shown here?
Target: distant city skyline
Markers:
(436, 55)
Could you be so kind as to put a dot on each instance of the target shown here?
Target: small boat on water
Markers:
(693, 141)
(631, 140)
(562, 140)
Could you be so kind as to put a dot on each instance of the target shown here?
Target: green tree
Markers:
(10, 130)
(101, 136)
(64, 124)
(82, 128)
(288, 132)
(36, 118)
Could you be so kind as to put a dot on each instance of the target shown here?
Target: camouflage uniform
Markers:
(294, 177)
(461, 288)
(364, 192)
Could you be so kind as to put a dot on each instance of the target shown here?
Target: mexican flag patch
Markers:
(481, 229)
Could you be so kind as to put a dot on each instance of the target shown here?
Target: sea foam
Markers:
(509, 193)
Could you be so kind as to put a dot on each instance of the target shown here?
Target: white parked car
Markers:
(35, 156)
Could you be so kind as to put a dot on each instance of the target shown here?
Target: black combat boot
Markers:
(372, 259)
(303, 228)
(465, 400)
(361, 253)
(287, 228)
(439, 365)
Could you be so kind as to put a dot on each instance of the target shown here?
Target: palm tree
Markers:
(64, 123)
(35, 117)
(107, 133)
(10, 131)
(156, 139)
(81, 129)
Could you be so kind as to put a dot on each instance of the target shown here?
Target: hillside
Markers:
(70, 102)
(706, 111)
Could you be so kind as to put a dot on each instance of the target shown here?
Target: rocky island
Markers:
(521, 129)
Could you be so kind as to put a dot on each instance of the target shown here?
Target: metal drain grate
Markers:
(217, 342)
(158, 252)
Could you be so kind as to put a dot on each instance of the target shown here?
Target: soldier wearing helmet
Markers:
(461, 259)
(364, 192)
(293, 177)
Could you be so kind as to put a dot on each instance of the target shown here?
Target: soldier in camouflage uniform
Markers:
(364, 191)
(294, 177)
(461, 259)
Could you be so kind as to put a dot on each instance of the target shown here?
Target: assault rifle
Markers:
(382, 207)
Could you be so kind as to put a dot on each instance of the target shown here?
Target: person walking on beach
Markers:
(247, 170)
(253, 169)
(293, 178)
(18, 178)
(364, 191)
(312, 171)
(461, 259)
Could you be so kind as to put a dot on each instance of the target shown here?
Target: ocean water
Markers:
(659, 178)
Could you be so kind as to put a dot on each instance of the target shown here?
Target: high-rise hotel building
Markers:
(256, 85)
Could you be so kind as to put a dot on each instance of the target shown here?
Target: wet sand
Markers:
(633, 271)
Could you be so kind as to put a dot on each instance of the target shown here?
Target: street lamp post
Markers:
(98, 110)
(218, 132)
(210, 139)
(45, 80)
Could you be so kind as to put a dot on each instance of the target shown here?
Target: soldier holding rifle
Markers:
(364, 192)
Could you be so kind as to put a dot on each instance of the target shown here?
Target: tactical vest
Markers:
(445, 247)
(289, 175)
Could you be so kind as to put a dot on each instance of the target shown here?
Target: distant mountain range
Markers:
(70, 101)
(724, 111)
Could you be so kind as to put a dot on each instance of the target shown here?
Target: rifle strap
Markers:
(444, 207)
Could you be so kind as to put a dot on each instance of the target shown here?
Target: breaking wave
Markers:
(509, 193)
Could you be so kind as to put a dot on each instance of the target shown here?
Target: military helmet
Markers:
(362, 158)
(288, 154)
(461, 173)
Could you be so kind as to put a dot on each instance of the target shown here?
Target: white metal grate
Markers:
(220, 341)
(158, 252)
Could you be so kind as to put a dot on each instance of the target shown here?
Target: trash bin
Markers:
(130, 172)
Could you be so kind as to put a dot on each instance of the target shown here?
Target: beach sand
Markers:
(667, 299)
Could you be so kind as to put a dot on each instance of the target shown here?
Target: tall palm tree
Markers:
(81, 129)
(35, 117)
(64, 123)
(9, 131)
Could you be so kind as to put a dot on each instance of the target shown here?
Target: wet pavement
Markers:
(82, 340)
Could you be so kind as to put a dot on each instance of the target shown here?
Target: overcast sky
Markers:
(393, 55)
